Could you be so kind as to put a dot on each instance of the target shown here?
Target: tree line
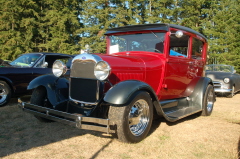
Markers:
(66, 26)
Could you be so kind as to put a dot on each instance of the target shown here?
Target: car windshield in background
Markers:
(220, 68)
(152, 42)
(26, 60)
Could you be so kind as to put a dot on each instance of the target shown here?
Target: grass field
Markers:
(22, 136)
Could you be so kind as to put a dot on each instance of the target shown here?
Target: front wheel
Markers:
(5, 93)
(208, 101)
(39, 97)
(232, 93)
(134, 120)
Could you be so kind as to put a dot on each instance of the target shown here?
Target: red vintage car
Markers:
(148, 71)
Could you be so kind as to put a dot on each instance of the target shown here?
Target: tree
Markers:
(222, 29)
(17, 25)
(38, 26)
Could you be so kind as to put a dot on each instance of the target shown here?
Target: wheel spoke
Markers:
(3, 93)
(139, 117)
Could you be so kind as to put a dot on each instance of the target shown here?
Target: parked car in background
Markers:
(152, 69)
(16, 75)
(225, 79)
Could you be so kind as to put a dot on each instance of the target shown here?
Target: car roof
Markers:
(157, 26)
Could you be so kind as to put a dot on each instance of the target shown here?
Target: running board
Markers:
(178, 108)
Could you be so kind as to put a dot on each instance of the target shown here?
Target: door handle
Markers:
(190, 63)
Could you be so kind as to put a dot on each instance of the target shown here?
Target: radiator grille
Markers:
(217, 84)
(83, 69)
(84, 90)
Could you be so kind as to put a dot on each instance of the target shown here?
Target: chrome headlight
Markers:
(59, 68)
(226, 80)
(102, 70)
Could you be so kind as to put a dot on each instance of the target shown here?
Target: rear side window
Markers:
(197, 47)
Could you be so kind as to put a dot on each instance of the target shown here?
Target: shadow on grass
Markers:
(100, 150)
(191, 117)
(20, 131)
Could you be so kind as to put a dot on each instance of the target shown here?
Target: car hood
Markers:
(136, 66)
(216, 76)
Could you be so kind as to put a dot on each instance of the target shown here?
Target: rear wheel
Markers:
(134, 120)
(208, 101)
(5, 93)
(232, 93)
(39, 97)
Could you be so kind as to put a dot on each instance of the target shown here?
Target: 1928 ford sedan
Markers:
(149, 70)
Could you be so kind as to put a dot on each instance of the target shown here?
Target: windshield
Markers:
(221, 68)
(152, 42)
(26, 60)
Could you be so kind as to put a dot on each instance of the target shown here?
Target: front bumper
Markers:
(81, 122)
(219, 87)
(220, 90)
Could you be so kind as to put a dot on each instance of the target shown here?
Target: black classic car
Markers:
(225, 79)
(16, 75)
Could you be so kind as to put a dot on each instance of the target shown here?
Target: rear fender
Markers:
(10, 83)
(199, 91)
(57, 88)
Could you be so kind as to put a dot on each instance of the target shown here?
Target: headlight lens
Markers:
(102, 70)
(226, 80)
(59, 68)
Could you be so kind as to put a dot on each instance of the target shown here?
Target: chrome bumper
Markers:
(220, 90)
(81, 122)
(218, 87)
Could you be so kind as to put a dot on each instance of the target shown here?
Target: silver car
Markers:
(225, 79)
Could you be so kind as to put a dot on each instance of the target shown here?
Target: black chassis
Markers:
(68, 112)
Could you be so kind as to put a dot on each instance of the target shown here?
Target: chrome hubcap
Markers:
(210, 100)
(139, 117)
(3, 94)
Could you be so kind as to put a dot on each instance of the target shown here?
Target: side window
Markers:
(48, 61)
(179, 46)
(197, 46)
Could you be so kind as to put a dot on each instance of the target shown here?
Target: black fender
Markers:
(121, 93)
(194, 101)
(199, 91)
(57, 88)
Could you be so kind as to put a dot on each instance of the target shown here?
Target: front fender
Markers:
(120, 94)
(57, 88)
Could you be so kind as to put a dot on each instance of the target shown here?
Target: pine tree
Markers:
(38, 26)
(58, 23)
(222, 30)
(17, 27)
